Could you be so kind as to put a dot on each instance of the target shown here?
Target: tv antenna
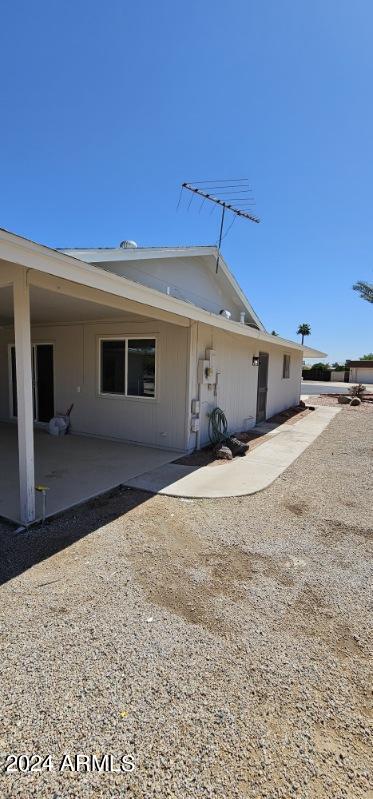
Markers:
(231, 195)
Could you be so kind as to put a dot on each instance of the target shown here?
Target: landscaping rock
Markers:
(224, 453)
(236, 447)
(355, 401)
(344, 399)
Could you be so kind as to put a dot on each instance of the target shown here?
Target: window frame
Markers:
(126, 338)
(285, 356)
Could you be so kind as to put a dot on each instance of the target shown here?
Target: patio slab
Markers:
(74, 468)
(242, 476)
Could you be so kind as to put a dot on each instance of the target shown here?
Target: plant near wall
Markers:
(357, 391)
(367, 357)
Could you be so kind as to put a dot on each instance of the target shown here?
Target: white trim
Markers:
(100, 255)
(22, 331)
(126, 337)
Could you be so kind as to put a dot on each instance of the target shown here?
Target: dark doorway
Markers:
(261, 403)
(42, 381)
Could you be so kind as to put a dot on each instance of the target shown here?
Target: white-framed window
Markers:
(127, 366)
(286, 366)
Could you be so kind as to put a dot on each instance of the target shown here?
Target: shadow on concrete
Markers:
(22, 550)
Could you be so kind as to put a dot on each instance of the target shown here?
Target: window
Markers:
(127, 367)
(113, 361)
(141, 367)
(286, 366)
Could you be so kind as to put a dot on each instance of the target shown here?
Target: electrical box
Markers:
(201, 371)
(211, 356)
(195, 406)
(206, 374)
(194, 425)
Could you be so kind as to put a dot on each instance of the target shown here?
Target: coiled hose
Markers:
(218, 426)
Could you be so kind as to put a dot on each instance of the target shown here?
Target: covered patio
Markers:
(54, 311)
(73, 468)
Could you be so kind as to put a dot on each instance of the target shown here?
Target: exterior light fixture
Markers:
(255, 360)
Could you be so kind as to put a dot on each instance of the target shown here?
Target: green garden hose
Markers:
(218, 426)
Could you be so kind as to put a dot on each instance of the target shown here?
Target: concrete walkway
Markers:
(247, 475)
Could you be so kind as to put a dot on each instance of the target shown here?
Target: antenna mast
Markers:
(236, 188)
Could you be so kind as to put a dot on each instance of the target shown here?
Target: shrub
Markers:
(358, 391)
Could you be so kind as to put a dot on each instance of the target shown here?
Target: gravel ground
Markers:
(224, 644)
(365, 407)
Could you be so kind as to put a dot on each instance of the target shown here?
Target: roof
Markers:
(142, 249)
(118, 254)
(366, 364)
(24, 252)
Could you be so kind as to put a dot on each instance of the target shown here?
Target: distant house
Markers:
(144, 341)
(361, 371)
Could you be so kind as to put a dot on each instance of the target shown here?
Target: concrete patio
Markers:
(74, 468)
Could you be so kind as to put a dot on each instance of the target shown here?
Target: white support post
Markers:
(22, 331)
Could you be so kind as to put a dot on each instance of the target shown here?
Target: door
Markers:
(42, 382)
(261, 402)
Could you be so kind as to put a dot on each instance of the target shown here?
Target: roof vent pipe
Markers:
(128, 245)
(242, 317)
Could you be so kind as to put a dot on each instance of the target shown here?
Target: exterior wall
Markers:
(188, 279)
(165, 421)
(283, 392)
(157, 422)
(360, 374)
(236, 390)
(337, 376)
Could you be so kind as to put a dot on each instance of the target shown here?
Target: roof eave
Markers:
(18, 250)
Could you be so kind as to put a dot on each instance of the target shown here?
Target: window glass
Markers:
(113, 367)
(286, 366)
(141, 367)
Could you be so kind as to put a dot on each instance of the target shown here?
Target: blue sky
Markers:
(107, 107)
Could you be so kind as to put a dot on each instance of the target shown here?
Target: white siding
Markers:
(145, 421)
(190, 279)
(237, 384)
(283, 392)
(159, 422)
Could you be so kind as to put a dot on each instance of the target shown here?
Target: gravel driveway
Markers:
(223, 643)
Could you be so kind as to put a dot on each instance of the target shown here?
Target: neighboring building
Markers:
(144, 342)
(339, 375)
(361, 371)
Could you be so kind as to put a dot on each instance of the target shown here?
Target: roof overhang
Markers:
(23, 252)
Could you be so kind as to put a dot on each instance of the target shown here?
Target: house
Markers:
(361, 371)
(144, 342)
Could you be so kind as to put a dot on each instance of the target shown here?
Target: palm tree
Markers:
(365, 290)
(304, 330)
